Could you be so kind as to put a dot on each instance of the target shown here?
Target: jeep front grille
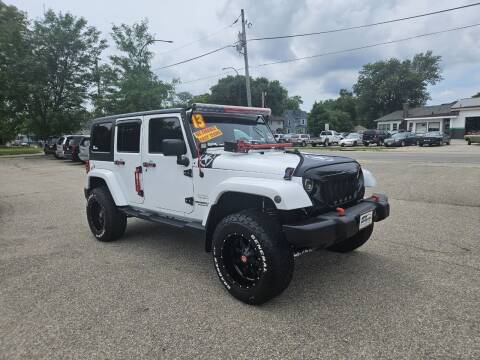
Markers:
(339, 189)
(336, 185)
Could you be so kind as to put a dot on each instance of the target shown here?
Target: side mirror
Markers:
(175, 147)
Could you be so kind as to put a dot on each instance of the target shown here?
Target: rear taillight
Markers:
(87, 166)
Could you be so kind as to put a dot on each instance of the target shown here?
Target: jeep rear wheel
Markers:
(252, 258)
(353, 242)
(104, 219)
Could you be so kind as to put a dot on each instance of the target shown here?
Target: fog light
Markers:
(308, 185)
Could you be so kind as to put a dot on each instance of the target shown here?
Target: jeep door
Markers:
(127, 156)
(167, 188)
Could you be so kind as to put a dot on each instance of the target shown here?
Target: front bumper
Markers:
(330, 228)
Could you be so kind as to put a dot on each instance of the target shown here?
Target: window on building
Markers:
(384, 127)
(102, 137)
(160, 129)
(410, 126)
(128, 137)
(421, 128)
(434, 126)
(394, 126)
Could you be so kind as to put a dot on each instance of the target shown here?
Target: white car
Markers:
(84, 147)
(62, 143)
(352, 139)
(218, 170)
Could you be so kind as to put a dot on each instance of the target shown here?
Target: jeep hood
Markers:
(267, 162)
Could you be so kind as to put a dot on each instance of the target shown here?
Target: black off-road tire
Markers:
(112, 223)
(271, 253)
(353, 242)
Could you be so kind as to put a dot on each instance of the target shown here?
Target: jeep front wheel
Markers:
(252, 258)
(353, 242)
(104, 219)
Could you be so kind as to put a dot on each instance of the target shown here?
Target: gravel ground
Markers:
(413, 291)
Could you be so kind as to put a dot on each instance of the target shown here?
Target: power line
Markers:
(364, 47)
(195, 58)
(203, 78)
(341, 51)
(200, 39)
(364, 26)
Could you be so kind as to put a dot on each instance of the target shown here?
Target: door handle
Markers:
(149, 164)
(119, 162)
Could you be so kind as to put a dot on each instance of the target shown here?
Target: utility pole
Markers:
(245, 57)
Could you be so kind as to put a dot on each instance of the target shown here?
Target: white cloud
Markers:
(316, 79)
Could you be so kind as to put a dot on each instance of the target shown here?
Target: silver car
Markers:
(83, 153)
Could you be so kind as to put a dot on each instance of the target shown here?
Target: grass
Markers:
(19, 150)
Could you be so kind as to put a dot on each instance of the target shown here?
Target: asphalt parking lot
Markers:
(413, 291)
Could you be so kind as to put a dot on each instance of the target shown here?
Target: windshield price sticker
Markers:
(198, 121)
(208, 134)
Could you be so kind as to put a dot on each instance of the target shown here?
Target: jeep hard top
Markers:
(218, 169)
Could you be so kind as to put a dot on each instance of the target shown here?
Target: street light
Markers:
(230, 67)
(239, 89)
(151, 42)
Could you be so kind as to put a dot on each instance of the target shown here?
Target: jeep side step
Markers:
(161, 219)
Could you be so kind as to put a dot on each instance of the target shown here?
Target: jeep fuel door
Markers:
(167, 188)
(127, 157)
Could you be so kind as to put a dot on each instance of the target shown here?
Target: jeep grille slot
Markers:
(336, 190)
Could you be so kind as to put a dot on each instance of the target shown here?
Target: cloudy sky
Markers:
(317, 79)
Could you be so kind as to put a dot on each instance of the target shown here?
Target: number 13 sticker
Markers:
(198, 122)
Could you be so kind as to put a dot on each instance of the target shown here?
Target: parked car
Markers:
(352, 139)
(434, 138)
(72, 149)
(61, 145)
(401, 139)
(374, 136)
(256, 206)
(329, 137)
(84, 149)
(50, 145)
(472, 138)
(300, 140)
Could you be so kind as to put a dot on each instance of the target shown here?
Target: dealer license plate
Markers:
(365, 220)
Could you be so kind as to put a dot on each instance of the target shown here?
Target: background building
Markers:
(455, 118)
(295, 122)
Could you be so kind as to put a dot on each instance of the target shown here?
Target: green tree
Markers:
(15, 51)
(135, 87)
(202, 98)
(293, 103)
(183, 99)
(384, 86)
(61, 72)
(477, 95)
(230, 90)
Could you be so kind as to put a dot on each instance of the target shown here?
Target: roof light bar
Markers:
(228, 109)
(243, 147)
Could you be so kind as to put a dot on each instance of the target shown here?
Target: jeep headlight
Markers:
(308, 185)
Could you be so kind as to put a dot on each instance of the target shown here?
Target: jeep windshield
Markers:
(251, 129)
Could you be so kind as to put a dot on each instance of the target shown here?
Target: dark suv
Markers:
(374, 137)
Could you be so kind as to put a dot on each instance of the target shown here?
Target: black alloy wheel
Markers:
(242, 260)
(97, 216)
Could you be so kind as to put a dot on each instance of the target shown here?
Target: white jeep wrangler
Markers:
(218, 169)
